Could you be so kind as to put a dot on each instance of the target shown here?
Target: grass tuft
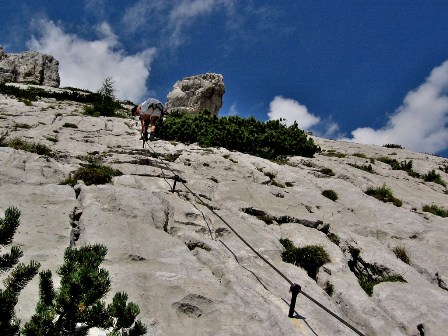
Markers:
(384, 194)
(310, 257)
(92, 174)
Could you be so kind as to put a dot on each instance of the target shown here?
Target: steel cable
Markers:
(176, 177)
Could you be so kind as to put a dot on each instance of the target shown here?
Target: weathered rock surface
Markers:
(30, 67)
(197, 93)
(187, 271)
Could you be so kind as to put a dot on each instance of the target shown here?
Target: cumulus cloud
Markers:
(291, 110)
(420, 123)
(86, 63)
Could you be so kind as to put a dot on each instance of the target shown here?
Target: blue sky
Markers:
(365, 71)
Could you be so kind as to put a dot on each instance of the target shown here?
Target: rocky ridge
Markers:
(188, 272)
(30, 67)
(197, 93)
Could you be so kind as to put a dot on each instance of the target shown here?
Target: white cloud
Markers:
(233, 110)
(173, 17)
(96, 7)
(420, 123)
(86, 63)
(291, 110)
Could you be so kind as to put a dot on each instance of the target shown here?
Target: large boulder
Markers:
(197, 93)
(30, 67)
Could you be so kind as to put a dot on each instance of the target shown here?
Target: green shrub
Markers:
(327, 171)
(384, 194)
(18, 276)
(92, 174)
(18, 143)
(27, 102)
(329, 288)
(360, 155)
(20, 125)
(367, 168)
(34, 93)
(333, 153)
(444, 168)
(271, 140)
(367, 283)
(70, 125)
(386, 159)
(369, 276)
(436, 210)
(260, 214)
(76, 307)
(310, 258)
(403, 165)
(432, 176)
(401, 254)
(333, 238)
(330, 194)
(104, 102)
(393, 146)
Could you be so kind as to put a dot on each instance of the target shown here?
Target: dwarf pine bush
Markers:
(19, 274)
(72, 309)
(76, 307)
(271, 139)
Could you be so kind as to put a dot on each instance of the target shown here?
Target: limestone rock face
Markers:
(197, 93)
(189, 273)
(30, 67)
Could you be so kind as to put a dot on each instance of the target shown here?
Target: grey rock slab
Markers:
(186, 269)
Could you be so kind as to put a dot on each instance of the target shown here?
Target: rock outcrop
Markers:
(187, 271)
(30, 67)
(197, 93)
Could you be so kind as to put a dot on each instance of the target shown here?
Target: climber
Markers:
(148, 111)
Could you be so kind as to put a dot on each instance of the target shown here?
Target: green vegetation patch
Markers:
(402, 254)
(310, 257)
(21, 125)
(393, 146)
(367, 283)
(367, 168)
(329, 288)
(330, 194)
(260, 214)
(384, 194)
(403, 165)
(72, 309)
(370, 275)
(327, 171)
(444, 167)
(432, 176)
(436, 210)
(360, 155)
(69, 125)
(271, 140)
(92, 174)
(20, 144)
(333, 153)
